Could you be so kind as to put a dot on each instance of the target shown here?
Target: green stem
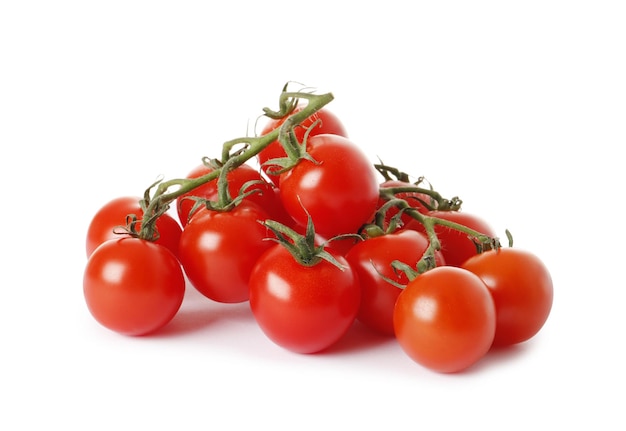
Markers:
(162, 197)
(442, 204)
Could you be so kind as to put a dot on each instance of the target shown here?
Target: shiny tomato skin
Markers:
(113, 214)
(303, 309)
(371, 259)
(266, 197)
(132, 286)
(445, 319)
(330, 123)
(456, 247)
(218, 250)
(339, 192)
(522, 290)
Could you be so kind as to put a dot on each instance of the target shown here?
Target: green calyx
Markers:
(301, 247)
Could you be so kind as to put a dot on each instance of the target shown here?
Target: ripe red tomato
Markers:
(522, 291)
(339, 192)
(371, 259)
(300, 308)
(414, 200)
(218, 250)
(329, 123)
(456, 246)
(266, 197)
(113, 215)
(133, 286)
(445, 319)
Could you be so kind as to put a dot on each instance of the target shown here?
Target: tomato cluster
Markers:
(298, 223)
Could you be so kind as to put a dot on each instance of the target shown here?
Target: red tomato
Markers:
(218, 250)
(522, 291)
(329, 124)
(133, 286)
(339, 192)
(300, 308)
(113, 215)
(412, 198)
(456, 246)
(266, 197)
(445, 319)
(371, 259)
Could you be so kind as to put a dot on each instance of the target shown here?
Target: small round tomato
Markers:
(339, 190)
(372, 259)
(304, 309)
(445, 319)
(265, 195)
(456, 246)
(328, 123)
(522, 291)
(113, 215)
(219, 248)
(133, 286)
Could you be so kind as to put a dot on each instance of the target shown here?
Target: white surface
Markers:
(517, 108)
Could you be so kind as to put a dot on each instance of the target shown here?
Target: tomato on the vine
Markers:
(445, 319)
(328, 123)
(304, 309)
(372, 260)
(219, 248)
(265, 195)
(133, 286)
(113, 215)
(456, 246)
(522, 290)
(339, 190)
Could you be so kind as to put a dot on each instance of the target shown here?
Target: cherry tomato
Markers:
(113, 215)
(339, 192)
(329, 123)
(414, 199)
(522, 291)
(445, 319)
(266, 197)
(371, 259)
(133, 286)
(218, 250)
(300, 308)
(456, 246)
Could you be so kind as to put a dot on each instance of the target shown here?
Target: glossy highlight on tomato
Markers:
(445, 319)
(372, 260)
(304, 309)
(218, 250)
(339, 191)
(522, 290)
(133, 286)
(322, 122)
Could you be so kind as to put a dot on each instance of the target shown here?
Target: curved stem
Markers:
(443, 204)
(162, 197)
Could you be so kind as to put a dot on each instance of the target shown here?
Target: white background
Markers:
(517, 107)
